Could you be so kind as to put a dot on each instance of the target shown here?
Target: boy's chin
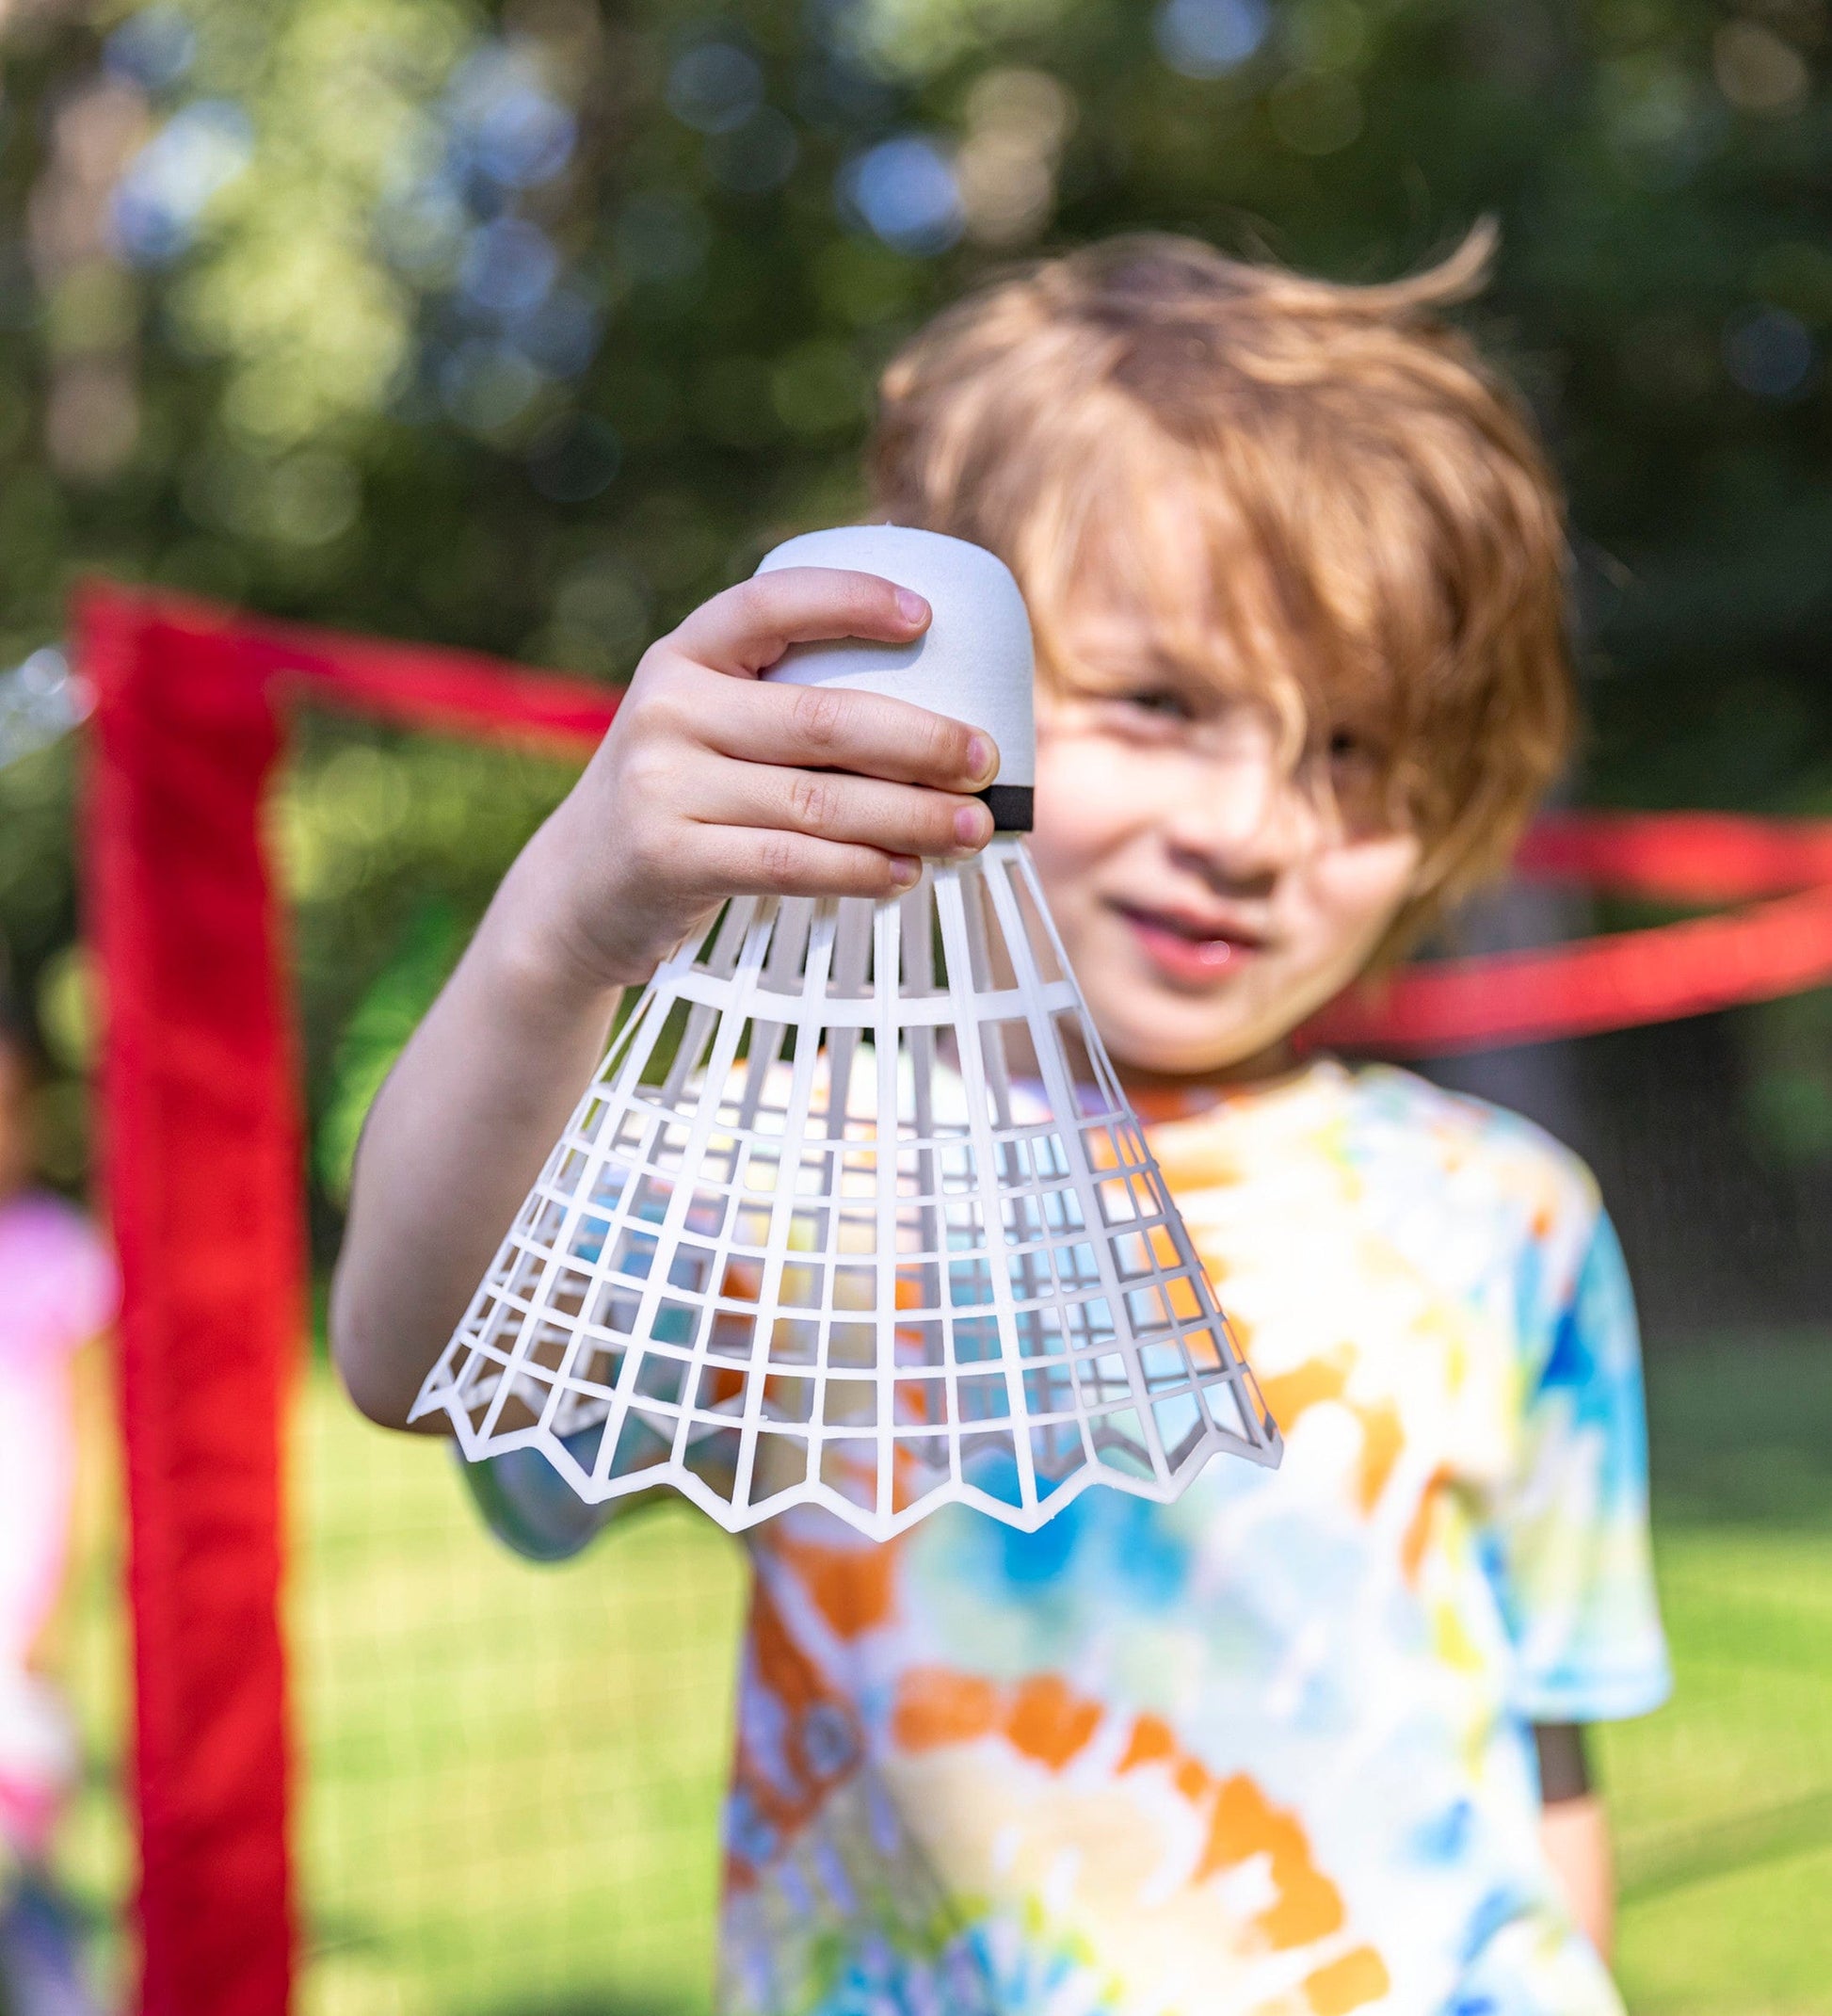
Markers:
(1208, 1049)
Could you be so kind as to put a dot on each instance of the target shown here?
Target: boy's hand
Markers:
(713, 783)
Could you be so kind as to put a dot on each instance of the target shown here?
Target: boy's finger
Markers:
(740, 861)
(854, 811)
(829, 728)
(751, 625)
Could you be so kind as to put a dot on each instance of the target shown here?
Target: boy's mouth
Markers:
(1194, 950)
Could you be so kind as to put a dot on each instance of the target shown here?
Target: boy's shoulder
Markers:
(1397, 1113)
(1453, 1168)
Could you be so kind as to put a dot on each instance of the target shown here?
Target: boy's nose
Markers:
(1246, 816)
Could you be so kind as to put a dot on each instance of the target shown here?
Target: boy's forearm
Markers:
(456, 1136)
(1576, 1837)
(704, 788)
(1574, 1831)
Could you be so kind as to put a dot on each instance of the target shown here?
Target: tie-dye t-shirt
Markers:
(1268, 1748)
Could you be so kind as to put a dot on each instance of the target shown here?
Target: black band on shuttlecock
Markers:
(1010, 807)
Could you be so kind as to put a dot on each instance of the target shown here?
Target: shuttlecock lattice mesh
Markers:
(856, 1213)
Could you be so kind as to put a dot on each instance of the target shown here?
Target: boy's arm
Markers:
(1575, 1563)
(456, 1138)
(709, 785)
(1574, 1831)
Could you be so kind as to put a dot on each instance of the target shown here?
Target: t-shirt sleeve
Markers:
(530, 1506)
(1574, 1566)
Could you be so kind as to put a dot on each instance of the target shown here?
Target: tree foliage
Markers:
(526, 325)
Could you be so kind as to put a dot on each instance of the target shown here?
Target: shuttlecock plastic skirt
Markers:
(857, 1214)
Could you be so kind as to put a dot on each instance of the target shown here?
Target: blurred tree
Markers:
(524, 326)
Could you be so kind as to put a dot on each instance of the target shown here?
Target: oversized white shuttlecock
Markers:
(856, 1213)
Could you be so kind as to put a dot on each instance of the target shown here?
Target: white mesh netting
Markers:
(856, 1214)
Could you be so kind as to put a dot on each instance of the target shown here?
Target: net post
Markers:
(201, 1177)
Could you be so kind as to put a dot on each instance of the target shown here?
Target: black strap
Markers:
(1563, 1765)
(1010, 807)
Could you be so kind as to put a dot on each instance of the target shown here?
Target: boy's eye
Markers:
(1357, 766)
(1163, 703)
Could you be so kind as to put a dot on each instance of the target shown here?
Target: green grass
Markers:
(1723, 1802)
(511, 1773)
(513, 1770)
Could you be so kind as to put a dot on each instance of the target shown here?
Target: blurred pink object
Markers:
(58, 1289)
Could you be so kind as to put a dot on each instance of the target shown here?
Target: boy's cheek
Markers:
(1361, 887)
(1085, 803)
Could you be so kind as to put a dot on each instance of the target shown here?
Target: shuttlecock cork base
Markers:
(856, 1213)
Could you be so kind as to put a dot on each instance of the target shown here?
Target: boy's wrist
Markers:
(536, 949)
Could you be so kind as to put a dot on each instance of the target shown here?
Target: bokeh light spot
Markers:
(487, 386)
(311, 498)
(1211, 38)
(507, 267)
(169, 185)
(561, 335)
(509, 127)
(1756, 70)
(864, 281)
(1018, 121)
(1657, 120)
(422, 231)
(1768, 352)
(600, 618)
(714, 87)
(904, 189)
(155, 47)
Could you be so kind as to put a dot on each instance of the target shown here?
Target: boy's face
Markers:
(1210, 897)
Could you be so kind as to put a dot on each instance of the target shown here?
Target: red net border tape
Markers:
(1781, 944)
(1782, 868)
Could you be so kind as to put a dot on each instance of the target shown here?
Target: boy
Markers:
(1294, 563)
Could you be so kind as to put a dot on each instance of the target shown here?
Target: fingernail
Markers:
(904, 870)
(911, 605)
(973, 826)
(979, 758)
